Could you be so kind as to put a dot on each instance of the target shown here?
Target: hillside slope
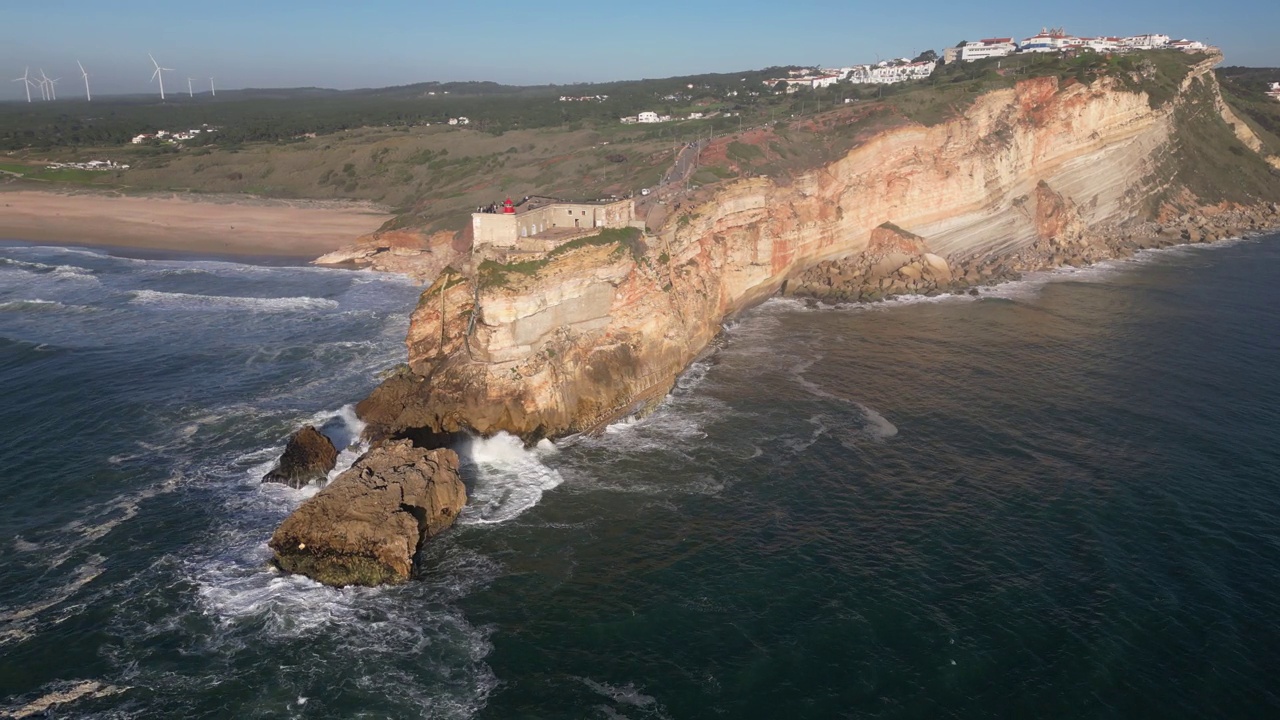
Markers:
(1046, 171)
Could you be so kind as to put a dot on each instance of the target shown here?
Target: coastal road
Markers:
(685, 163)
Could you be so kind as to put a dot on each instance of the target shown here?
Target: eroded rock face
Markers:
(408, 252)
(308, 456)
(1040, 175)
(366, 527)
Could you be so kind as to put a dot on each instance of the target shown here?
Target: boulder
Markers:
(308, 456)
(938, 267)
(366, 527)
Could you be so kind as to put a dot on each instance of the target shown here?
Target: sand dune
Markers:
(215, 224)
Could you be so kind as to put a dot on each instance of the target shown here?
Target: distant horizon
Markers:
(289, 45)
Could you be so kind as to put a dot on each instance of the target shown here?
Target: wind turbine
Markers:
(158, 74)
(190, 92)
(46, 85)
(212, 92)
(26, 81)
(53, 91)
(87, 96)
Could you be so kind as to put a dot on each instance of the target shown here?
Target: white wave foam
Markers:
(693, 375)
(32, 304)
(24, 265)
(187, 301)
(877, 425)
(73, 271)
(61, 693)
(346, 431)
(628, 695)
(509, 479)
(17, 622)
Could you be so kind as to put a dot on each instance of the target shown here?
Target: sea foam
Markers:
(507, 478)
(186, 301)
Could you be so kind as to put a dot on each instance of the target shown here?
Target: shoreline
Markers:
(218, 225)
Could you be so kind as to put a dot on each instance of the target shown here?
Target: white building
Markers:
(1145, 42)
(1188, 45)
(887, 74)
(825, 81)
(1274, 91)
(1103, 44)
(1048, 41)
(695, 116)
(648, 117)
(987, 48)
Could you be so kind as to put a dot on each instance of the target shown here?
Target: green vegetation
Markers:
(1210, 161)
(1244, 90)
(390, 147)
(65, 175)
(743, 153)
(493, 274)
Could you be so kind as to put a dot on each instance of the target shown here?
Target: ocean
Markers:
(1058, 499)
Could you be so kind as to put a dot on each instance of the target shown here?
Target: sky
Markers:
(378, 43)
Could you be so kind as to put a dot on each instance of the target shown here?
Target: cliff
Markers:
(1024, 172)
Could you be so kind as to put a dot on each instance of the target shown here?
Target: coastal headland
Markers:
(217, 224)
(1044, 172)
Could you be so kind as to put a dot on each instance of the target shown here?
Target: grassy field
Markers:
(433, 176)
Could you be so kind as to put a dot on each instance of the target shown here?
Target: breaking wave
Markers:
(187, 301)
(507, 478)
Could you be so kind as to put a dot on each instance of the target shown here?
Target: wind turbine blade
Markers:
(154, 74)
(153, 60)
(82, 71)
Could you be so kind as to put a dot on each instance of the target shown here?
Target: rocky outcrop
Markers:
(367, 526)
(894, 262)
(310, 455)
(1043, 173)
(406, 252)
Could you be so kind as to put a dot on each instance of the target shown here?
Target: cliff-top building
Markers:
(988, 48)
(539, 224)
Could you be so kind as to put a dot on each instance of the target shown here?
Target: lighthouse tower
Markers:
(508, 208)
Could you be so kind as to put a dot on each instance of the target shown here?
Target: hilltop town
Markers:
(1048, 40)
(899, 70)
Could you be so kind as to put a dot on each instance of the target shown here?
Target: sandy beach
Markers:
(217, 224)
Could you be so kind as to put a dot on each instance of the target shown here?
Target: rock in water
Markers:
(308, 456)
(366, 527)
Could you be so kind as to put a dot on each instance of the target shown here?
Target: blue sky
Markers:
(285, 43)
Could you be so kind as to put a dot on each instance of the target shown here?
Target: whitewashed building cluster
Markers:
(1274, 91)
(882, 73)
(98, 165)
(1055, 40)
(646, 117)
(886, 73)
(583, 98)
(172, 137)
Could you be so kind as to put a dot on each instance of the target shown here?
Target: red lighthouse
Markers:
(508, 208)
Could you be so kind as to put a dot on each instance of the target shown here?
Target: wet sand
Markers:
(218, 224)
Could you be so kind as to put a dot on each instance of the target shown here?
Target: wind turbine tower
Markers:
(190, 92)
(87, 96)
(212, 92)
(26, 81)
(46, 86)
(159, 74)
